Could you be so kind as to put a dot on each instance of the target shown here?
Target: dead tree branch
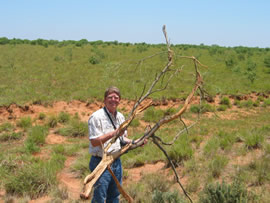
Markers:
(139, 107)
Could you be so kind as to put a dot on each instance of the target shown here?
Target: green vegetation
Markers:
(223, 193)
(43, 71)
(217, 149)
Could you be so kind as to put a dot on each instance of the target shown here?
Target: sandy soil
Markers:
(68, 179)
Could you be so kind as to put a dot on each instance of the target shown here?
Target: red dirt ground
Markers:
(84, 110)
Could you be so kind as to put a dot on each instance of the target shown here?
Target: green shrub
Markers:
(94, 60)
(35, 138)
(205, 107)
(266, 103)
(152, 114)
(6, 127)
(10, 136)
(267, 61)
(253, 139)
(63, 117)
(222, 107)
(217, 165)
(75, 128)
(37, 134)
(261, 169)
(135, 123)
(35, 178)
(211, 146)
(181, 151)
(168, 196)
(225, 101)
(224, 193)
(52, 121)
(226, 140)
(24, 122)
(247, 104)
(195, 109)
(41, 116)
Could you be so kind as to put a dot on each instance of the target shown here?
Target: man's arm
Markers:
(103, 138)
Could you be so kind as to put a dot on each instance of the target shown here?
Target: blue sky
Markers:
(222, 22)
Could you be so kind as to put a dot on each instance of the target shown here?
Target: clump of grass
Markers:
(75, 128)
(211, 146)
(226, 140)
(81, 165)
(6, 127)
(24, 122)
(261, 168)
(63, 117)
(10, 136)
(253, 139)
(205, 107)
(224, 192)
(34, 178)
(52, 121)
(36, 137)
(217, 165)
(41, 116)
(135, 123)
(153, 184)
(225, 101)
(181, 151)
(222, 107)
(246, 104)
(266, 103)
(193, 185)
(152, 114)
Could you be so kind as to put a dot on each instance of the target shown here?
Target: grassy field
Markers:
(34, 73)
(223, 158)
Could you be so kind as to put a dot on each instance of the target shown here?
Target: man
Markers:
(103, 126)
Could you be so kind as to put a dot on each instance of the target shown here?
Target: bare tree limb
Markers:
(172, 166)
(139, 107)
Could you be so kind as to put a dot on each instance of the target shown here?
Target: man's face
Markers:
(111, 102)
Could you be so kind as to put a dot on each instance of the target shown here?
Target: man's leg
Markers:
(102, 184)
(113, 192)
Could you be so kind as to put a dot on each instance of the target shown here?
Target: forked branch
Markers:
(138, 107)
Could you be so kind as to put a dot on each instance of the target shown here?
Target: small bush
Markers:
(36, 137)
(24, 122)
(217, 164)
(195, 109)
(261, 169)
(41, 116)
(211, 146)
(224, 193)
(52, 121)
(226, 140)
(10, 136)
(135, 123)
(63, 117)
(152, 114)
(181, 151)
(6, 127)
(267, 61)
(222, 107)
(247, 104)
(35, 178)
(168, 196)
(254, 139)
(225, 101)
(94, 60)
(266, 103)
(75, 128)
(205, 107)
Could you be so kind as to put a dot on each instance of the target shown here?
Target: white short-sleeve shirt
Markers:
(100, 124)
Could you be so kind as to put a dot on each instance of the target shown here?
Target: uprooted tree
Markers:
(140, 106)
